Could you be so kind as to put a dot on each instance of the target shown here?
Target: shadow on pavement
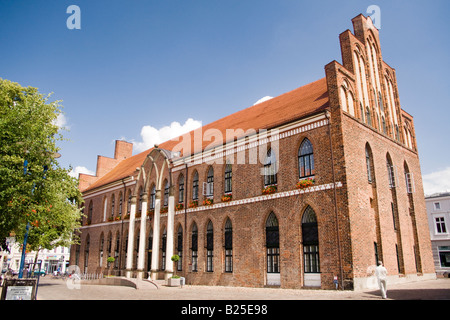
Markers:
(416, 294)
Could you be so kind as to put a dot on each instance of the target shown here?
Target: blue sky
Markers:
(144, 64)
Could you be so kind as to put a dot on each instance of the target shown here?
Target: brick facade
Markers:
(356, 218)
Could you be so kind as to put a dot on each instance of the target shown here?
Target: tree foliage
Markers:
(34, 189)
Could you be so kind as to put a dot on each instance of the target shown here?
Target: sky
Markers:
(147, 70)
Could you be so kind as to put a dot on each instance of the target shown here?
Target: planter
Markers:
(269, 189)
(305, 183)
(174, 282)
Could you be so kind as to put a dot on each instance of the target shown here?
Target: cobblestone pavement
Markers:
(57, 289)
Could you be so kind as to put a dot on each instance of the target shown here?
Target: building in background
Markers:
(438, 208)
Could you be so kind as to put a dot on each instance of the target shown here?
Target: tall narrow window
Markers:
(440, 225)
(272, 244)
(310, 238)
(90, 211)
(86, 254)
(181, 189)
(368, 164)
(228, 178)
(391, 172)
(153, 197)
(305, 160)
(129, 203)
(166, 193)
(113, 203)
(228, 246)
(180, 248)
(194, 248)
(375, 247)
(120, 204)
(163, 249)
(209, 247)
(116, 250)
(195, 186)
(102, 241)
(270, 168)
(394, 217)
(141, 193)
(210, 182)
(368, 117)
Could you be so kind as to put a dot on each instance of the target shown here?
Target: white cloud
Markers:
(80, 169)
(61, 121)
(151, 136)
(263, 99)
(438, 181)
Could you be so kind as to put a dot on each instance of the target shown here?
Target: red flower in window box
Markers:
(193, 204)
(227, 197)
(269, 189)
(208, 202)
(305, 183)
(179, 206)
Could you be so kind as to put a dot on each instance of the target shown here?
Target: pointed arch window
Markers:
(120, 204)
(166, 193)
(310, 239)
(210, 182)
(102, 242)
(368, 117)
(228, 178)
(209, 246)
(306, 159)
(141, 193)
(194, 248)
(270, 168)
(228, 246)
(272, 244)
(180, 248)
(113, 203)
(181, 189)
(195, 186)
(369, 163)
(153, 197)
(163, 249)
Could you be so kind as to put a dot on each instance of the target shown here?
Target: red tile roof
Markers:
(288, 107)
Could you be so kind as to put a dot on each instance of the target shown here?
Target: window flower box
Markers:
(179, 207)
(208, 202)
(193, 204)
(150, 211)
(164, 210)
(227, 197)
(269, 189)
(305, 183)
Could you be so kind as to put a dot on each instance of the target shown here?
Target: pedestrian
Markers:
(381, 274)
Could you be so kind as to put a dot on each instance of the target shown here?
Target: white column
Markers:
(130, 248)
(142, 237)
(155, 246)
(169, 240)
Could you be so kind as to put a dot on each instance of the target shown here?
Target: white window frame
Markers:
(440, 222)
(410, 187)
(436, 205)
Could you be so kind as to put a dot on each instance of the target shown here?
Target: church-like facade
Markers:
(306, 189)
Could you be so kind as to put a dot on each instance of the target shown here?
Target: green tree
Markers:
(34, 189)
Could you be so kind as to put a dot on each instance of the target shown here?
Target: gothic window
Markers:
(153, 197)
(194, 248)
(310, 239)
(113, 203)
(228, 246)
(181, 188)
(180, 248)
(369, 163)
(228, 178)
(270, 169)
(166, 193)
(305, 159)
(163, 249)
(272, 244)
(195, 186)
(120, 203)
(210, 182)
(209, 246)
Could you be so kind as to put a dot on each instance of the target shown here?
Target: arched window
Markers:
(270, 168)
(180, 188)
(129, 203)
(180, 248)
(102, 242)
(195, 186)
(391, 172)
(305, 159)
(228, 246)
(163, 249)
(109, 244)
(86, 253)
(209, 246)
(361, 111)
(272, 244)
(210, 182)
(369, 163)
(368, 117)
(116, 250)
(228, 178)
(141, 192)
(90, 211)
(120, 204)
(150, 249)
(194, 248)
(310, 239)
(166, 193)
(153, 197)
(383, 124)
(113, 203)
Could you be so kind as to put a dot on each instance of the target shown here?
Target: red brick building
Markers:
(314, 185)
